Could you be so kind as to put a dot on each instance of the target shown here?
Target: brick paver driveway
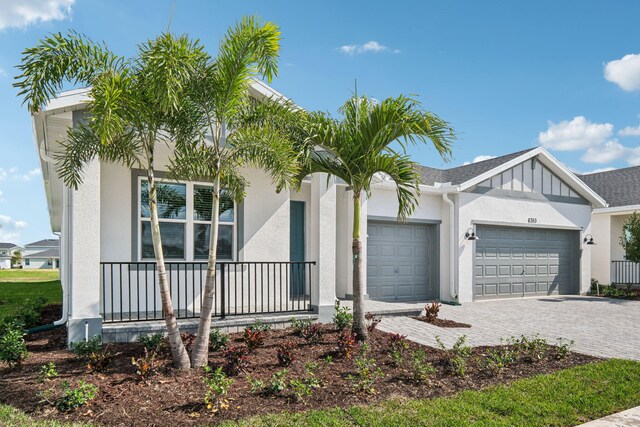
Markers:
(599, 326)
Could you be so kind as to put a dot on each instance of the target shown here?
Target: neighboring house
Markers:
(43, 254)
(621, 189)
(508, 227)
(6, 251)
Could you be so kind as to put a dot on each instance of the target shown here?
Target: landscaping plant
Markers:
(342, 318)
(346, 343)
(84, 349)
(367, 372)
(421, 370)
(13, 349)
(217, 385)
(236, 360)
(630, 239)
(431, 311)
(72, 398)
(284, 352)
(497, 359)
(30, 311)
(152, 343)
(563, 348)
(311, 333)
(253, 338)
(457, 356)
(299, 325)
(277, 383)
(217, 339)
(47, 372)
(531, 349)
(398, 346)
(372, 321)
(146, 365)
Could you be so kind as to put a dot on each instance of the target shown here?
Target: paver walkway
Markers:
(601, 327)
(628, 418)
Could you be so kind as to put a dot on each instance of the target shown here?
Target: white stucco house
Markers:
(508, 227)
(621, 189)
(43, 254)
(6, 252)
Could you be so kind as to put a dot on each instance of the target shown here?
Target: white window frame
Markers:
(189, 222)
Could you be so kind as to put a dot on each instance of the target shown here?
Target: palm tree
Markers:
(131, 100)
(219, 129)
(16, 258)
(370, 140)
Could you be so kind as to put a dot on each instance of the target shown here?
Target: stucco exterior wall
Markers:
(485, 209)
(601, 251)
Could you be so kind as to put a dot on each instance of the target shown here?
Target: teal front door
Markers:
(296, 248)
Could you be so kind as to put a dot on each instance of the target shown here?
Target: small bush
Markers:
(217, 339)
(302, 387)
(563, 348)
(236, 360)
(217, 385)
(146, 365)
(47, 372)
(431, 311)
(531, 349)
(277, 383)
(342, 318)
(153, 343)
(285, 353)
(253, 338)
(497, 359)
(456, 357)
(13, 349)
(311, 333)
(72, 398)
(398, 346)
(259, 326)
(346, 343)
(83, 349)
(30, 311)
(372, 321)
(99, 361)
(299, 325)
(420, 369)
(367, 372)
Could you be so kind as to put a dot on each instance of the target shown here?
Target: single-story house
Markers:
(43, 254)
(6, 252)
(509, 227)
(621, 189)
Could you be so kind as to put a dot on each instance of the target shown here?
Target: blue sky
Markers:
(507, 75)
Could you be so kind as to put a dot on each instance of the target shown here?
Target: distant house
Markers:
(6, 251)
(43, 254)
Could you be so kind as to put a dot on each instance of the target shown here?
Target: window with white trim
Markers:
(184, 213)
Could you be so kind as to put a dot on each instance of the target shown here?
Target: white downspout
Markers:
(452, 248)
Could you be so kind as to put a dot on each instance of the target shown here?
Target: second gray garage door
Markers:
(517, 262)
(402, 261)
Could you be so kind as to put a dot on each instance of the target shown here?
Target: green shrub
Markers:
(284, 353)
(342, 318)
(146, 365)
(497, 359)
(421, 370)
(531, 349)
(346, 343)
(13, 349)
(367, 372)
(563, 348)
(84, 349)
(236, 360)
(277, 383)
(457, 356)
(299, 325)
(217, 385)
(47, 372)
(259, 326)
(398, 345)
(311, 333)
(73, 398)
(217, 339)
(152, 343)
(30, 311)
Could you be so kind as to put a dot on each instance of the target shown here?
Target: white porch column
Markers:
(323, 245)
(83, 233)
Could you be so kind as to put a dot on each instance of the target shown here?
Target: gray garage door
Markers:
(517, 262)
(401, 261)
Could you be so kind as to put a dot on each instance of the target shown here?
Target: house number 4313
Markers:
(532, 220)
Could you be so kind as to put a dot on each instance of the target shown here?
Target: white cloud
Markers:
(624, 72)
(605, 153)
(3, 72)
(597, 171)
(577, 134)
(479, 159)
(26, 176)
(10, 230)
(629, 131)
(22, 13)
(368, 47)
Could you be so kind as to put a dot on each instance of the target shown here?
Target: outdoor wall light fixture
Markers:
(588, 240)
(471, 235)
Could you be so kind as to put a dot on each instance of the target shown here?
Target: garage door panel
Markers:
(544, 257)
(403, 261)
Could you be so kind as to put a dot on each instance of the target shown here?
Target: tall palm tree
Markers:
(130, 102)
(369, 140)
(219, 128)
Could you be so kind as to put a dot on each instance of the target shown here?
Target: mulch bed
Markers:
(443, 323)
(176, 398)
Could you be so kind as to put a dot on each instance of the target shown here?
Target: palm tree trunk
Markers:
(178, 351)
(200, 353)
(359, 325)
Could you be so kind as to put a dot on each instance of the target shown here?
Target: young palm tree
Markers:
(219, 129)
(370, 140)
(131, 100)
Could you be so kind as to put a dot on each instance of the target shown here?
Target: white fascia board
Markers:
(621, 210)
(429, 189)
(552, 163)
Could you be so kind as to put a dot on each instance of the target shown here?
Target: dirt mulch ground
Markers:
(172, 398)
(443, 323)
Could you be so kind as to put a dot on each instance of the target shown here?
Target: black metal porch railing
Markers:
(131, 292)
(625, 273)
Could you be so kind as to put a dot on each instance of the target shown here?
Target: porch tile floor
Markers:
(599, 326)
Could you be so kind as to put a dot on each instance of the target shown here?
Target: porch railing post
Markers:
(223, 292)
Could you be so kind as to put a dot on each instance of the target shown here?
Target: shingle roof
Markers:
(49, 253)
(461, 174)
(8, 246)
(619, 187)
(52, 243)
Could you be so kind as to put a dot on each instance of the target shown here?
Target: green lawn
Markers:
(565, 398)
(19, 285)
